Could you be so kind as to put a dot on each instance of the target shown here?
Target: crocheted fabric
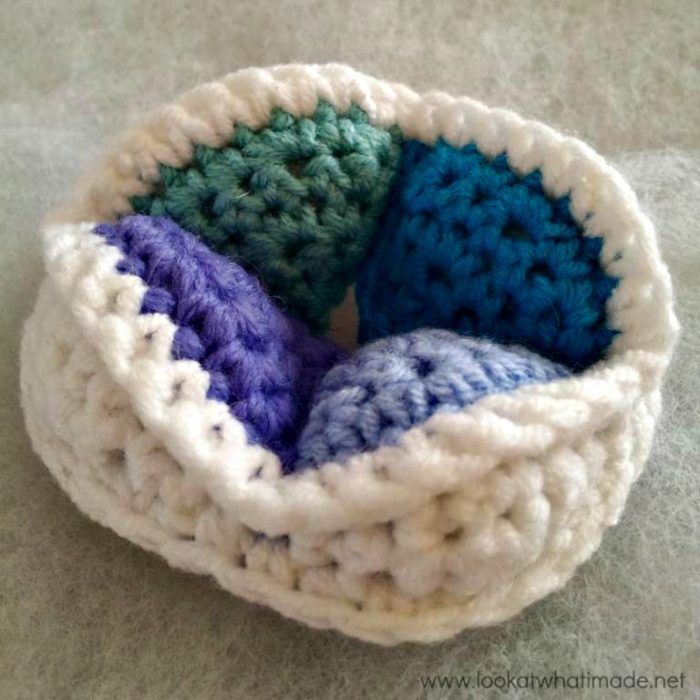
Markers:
(468, 245)
(296, 202)
(170, 394)
(264, 365)
(267, 367)
(391, 385)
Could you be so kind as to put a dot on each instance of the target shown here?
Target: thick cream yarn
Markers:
(473, 516)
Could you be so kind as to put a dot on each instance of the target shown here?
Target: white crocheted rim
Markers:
(78, 418)
(448, 449)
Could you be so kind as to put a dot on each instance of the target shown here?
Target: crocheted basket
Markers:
(516, 322)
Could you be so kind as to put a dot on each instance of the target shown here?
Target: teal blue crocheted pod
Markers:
(468, 245)
(296, 203)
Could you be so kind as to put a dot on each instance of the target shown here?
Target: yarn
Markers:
(393, 384)
(296, 202)
(266, 366)
(476, 515)
(262, 364)
(468, 245)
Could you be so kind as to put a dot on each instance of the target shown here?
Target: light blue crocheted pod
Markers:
(391, 385)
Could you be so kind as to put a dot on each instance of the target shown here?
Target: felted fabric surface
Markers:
(85, 614)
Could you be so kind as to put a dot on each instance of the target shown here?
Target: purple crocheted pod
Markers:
(264, 365)
(396, 383)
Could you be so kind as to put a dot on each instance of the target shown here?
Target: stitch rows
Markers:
(274, 376)
(434, 458)
(296, 202)
(389, 386)
(468, 245)
(264, 365)
(455, 552)
(571, 448)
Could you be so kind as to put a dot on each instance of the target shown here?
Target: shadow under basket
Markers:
(181, 381)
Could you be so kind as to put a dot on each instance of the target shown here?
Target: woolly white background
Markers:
(84, 614)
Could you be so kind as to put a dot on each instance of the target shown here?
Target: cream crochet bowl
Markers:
(471, 517)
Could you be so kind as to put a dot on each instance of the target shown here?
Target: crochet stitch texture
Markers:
(389, 386)
(264, 365)
(471, 516)
(274, 376)
(295, 203)
(468, 245)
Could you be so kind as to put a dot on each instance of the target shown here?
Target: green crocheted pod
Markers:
(296, 202)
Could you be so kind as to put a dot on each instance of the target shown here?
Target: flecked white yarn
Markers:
(473, 516)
